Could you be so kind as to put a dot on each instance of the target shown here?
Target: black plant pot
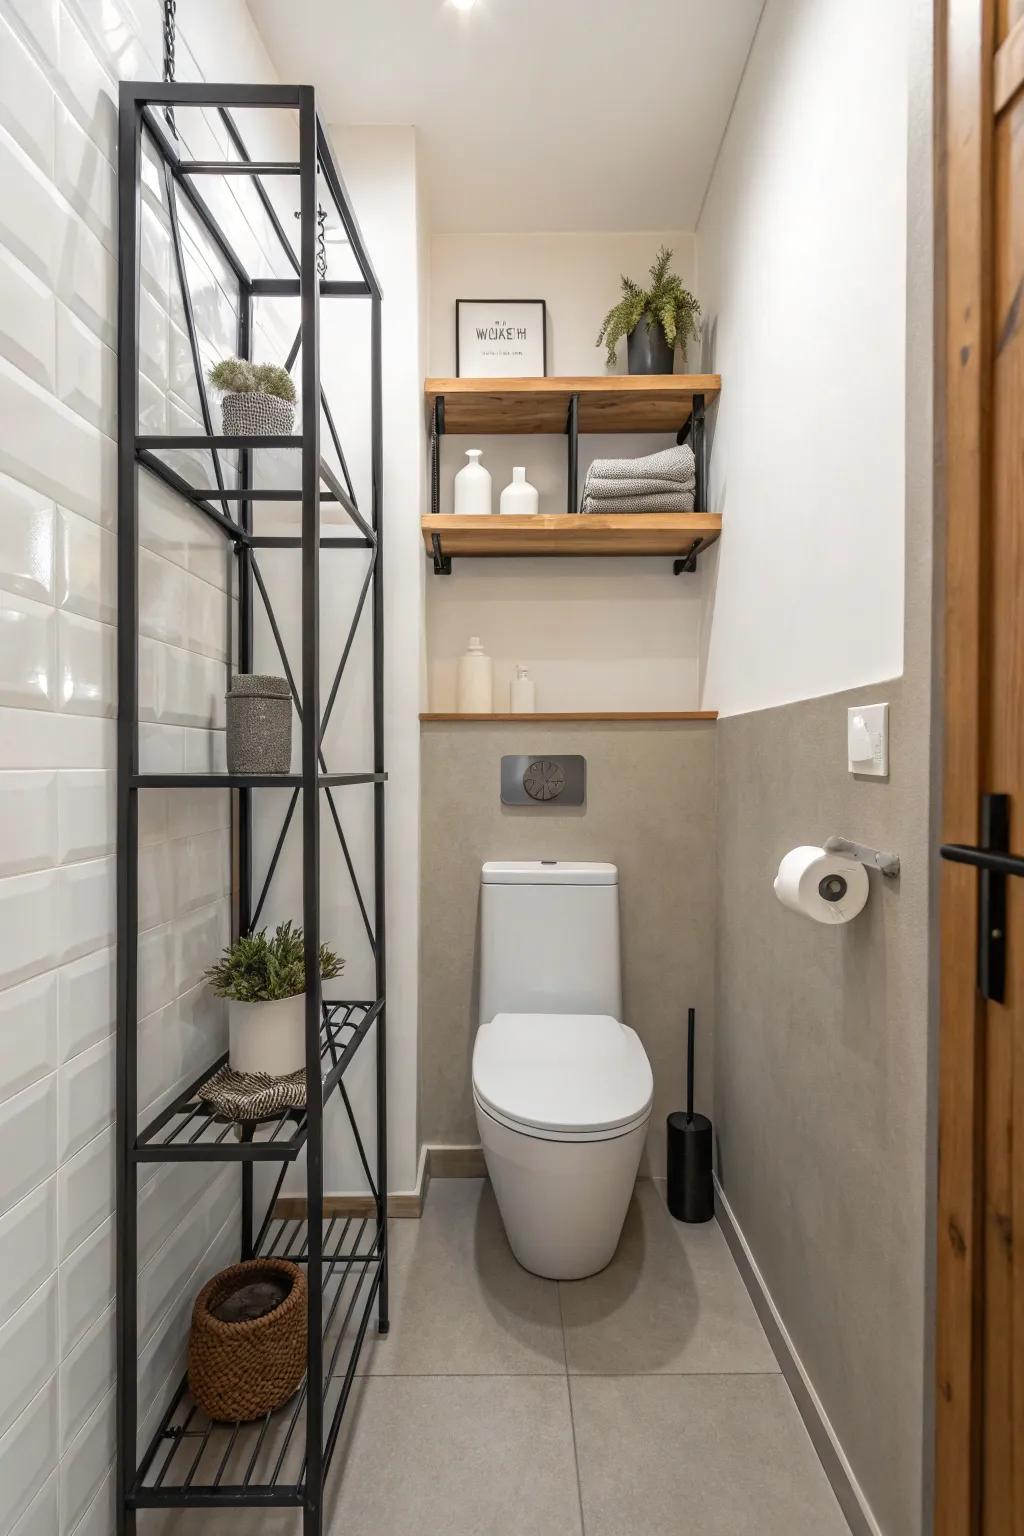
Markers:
(647, 351)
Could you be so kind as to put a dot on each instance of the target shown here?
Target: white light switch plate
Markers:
(867, 740)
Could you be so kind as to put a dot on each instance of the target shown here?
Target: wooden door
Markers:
(980, 1230)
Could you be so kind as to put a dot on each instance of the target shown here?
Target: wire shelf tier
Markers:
(187, 1130)
(193, 1461)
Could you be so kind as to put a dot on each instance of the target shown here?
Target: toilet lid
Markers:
(562, 1071)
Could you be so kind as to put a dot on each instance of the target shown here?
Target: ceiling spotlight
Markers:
(463, 5)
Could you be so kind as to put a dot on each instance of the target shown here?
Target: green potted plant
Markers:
(652, 320)
(258, 399)
(264, 981)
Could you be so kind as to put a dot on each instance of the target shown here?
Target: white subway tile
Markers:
(86, 1376)
(152, 407)
(85, 1097)
(28, 1246)
(41, 1519)
(161, 747)
(119, 39)
(163, 598)
(150, 680)
(28, 1454)
(167, 1274)
(36, 227)
(190, 688)
(200, 936)
(86, 568)
(28, 827)
(26, 320)
(154, 806)
(28, 653)
(28, 1352)
(86, 87)
(206, 752)
(101, 1516)
(37, 20)
(156, 885)
(202, 871)
(28, 1034)
(166, 522)
(85, 1192)
(86, 178)
(156, 970)
(49, 447)
(85, 1002)
(30, 738)
(86, 814)
(27, 540)
(86, 907)
(30, 936)
(85, 1464)
(153, 340)
(87, 654)
(206, 619)
(87, 1283)
(194, 811)
(28, 1140)
(26, 100)
(86, 372)
(154, 251)
(173, 1192)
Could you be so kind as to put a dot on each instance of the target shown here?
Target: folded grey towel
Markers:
(676, 464)
(663, 501)
(646, 485)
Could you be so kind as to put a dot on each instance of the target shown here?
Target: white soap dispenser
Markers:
(473, 487)
(475, 687)
(520, 497)
(522, 693)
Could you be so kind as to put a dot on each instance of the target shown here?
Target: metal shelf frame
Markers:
(348, 1271)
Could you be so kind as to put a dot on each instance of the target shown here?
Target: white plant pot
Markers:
(268, 1037)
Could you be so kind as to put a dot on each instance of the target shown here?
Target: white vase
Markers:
(519, 498)
(473, 487)
(474, 692)
(267, 1037)
(522, 693)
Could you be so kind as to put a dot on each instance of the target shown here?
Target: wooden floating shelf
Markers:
(659, 402)
(598, 533)
(577, 717)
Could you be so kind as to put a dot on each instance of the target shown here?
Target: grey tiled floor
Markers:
(644, 1401)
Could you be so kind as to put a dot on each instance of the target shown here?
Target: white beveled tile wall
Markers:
(59, 63)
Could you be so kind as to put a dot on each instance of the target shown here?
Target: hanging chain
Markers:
(170, 30)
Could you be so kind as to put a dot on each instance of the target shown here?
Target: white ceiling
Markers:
(532, 114)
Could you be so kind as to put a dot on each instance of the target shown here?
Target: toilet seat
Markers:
(562, 1076)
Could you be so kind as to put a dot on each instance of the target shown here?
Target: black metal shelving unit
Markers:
(282, 1460)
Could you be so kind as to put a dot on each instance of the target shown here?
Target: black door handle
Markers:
(994, 862)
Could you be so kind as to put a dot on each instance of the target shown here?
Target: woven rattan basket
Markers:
(238, 1371)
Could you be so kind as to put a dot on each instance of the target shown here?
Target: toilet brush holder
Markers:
(691, 1190)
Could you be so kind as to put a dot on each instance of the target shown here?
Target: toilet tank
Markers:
(549, 938)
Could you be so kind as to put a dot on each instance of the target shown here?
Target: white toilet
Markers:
(562, 1089)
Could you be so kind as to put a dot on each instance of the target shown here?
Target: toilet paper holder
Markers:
(874, 858)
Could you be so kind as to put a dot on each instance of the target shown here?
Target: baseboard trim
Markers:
(447, 1162)
(845, 1486)
(402, 1204)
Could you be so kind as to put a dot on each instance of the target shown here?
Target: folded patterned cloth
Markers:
(675, 464)
(646, 485)
(663, 501)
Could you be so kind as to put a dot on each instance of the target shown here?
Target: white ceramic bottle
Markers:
(520, 497)
(473, 487)
(522, 693)
(475, 687)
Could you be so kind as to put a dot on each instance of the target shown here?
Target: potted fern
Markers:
(258, 399)
(264, 981)
(652, 320)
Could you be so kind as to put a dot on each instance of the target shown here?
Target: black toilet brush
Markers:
(691, 1193)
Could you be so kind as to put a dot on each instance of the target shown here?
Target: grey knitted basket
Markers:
(259, 724)
(255, 414)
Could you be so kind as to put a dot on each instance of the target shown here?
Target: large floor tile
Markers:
(671, 1300)
(458, 1455)
(460, 1304)
(722, 1455)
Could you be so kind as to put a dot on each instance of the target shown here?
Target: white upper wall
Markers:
(597, 634)
(802, 256)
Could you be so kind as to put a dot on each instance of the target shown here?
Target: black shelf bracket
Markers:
(442, 562)
(436, 434)
(692, 431)
(572, 430)
(687, 564)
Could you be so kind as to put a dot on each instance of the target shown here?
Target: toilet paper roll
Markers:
(821, 885)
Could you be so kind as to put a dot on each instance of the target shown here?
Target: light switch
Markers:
(867, 740)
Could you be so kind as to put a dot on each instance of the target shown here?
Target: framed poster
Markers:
(501, 339)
